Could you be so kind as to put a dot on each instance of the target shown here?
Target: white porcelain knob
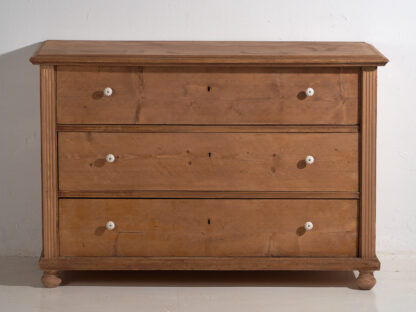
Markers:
(308, 226)
(108, 91)
(309, 91)
(110, 225)
(309, 159)
(110, 158)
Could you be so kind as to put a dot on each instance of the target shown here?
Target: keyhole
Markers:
(209, 154)
(209, 221)
(209, 88)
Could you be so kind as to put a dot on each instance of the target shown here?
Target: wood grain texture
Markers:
(80, 96)
(49, 161)
(368, 162)
(207, 194)
(186, 227)
(210, 263)
(208, 52)
(201, 95)
(209, 128)
(208, 161)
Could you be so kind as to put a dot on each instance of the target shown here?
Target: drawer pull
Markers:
(310, 92)
(308, 226)
(110, 158)
(110, 225)
(309, 160)
(108, 91)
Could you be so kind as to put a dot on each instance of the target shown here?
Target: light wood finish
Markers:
(51, 279)
(366, 280)
(186, 227)
(209, 194)
(208, 52)
(368, 162)
(210, 263)
(49, 161)
(207, 95)
(80, 94)
(209, 128)
(208, 161)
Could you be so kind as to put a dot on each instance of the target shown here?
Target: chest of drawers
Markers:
(208, 156)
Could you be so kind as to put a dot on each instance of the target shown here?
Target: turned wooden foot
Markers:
(50, 279)
(366, 280)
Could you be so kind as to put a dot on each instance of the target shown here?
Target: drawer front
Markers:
(194, 95)
(208, 161)
(81, 98)
(194, 227)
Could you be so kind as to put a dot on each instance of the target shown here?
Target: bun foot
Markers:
(366, 280)
(50, 279)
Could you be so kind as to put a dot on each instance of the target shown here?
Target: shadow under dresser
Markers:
(208, 156)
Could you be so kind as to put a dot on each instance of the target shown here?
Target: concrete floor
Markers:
(21, 290)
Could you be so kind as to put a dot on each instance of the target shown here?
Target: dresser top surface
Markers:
(209, 52)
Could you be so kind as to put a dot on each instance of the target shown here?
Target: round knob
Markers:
(308, 226)
(309, 159)
(110, 158)
(108, 91)
(110, 225)
(309, 91)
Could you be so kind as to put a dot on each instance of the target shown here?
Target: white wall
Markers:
(389, 25)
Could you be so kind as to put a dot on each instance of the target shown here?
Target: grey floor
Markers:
(21, 290)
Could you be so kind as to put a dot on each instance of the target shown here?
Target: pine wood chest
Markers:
(208, 156)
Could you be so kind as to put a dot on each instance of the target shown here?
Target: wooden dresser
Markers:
(208, 156)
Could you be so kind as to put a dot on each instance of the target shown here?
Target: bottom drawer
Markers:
(208, 227)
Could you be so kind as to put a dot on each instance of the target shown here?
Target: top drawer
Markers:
(206, 95)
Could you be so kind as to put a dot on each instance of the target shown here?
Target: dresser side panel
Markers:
(368, 161)
(49, 161)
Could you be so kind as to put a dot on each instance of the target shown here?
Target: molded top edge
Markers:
(282, 53)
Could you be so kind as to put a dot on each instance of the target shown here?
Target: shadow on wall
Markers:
(20, 180)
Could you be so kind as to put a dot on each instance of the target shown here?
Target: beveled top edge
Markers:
(208, 53)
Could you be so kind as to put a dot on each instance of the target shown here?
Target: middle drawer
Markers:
(208, 161)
